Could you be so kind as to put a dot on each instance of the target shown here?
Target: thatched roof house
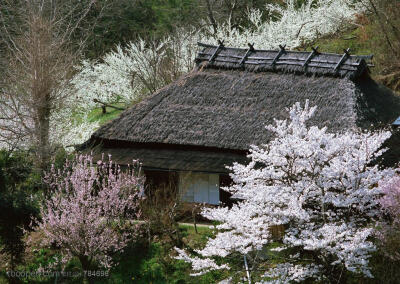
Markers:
(208, 118)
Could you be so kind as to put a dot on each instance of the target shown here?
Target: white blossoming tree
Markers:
(127, 73)
(317, 185)
(289, 24)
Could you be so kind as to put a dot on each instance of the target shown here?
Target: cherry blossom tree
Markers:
(86, 215)
(389, 229)
(319, 186)
(390, 201)
(126, 74)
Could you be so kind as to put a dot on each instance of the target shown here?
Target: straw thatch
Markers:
(216, 109)
(229, 109)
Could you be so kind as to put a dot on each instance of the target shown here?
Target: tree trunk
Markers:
(211, 16)
(42, 129)
(86, 266)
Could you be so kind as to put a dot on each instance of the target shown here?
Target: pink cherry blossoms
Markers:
(87, 211)
(388, 231)
(390, 201)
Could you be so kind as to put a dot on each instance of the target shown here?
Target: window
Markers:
(396, 122)
(199, 187)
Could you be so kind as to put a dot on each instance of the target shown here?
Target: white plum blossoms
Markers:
(126, 74)
(319, 186)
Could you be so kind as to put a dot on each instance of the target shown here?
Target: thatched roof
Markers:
(229, 109)
(226, 107)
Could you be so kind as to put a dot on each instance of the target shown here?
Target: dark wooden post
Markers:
(220, 46)
(343, 59)
(282, 51)
(251, 49)
(312, 54)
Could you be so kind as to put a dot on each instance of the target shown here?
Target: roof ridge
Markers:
(305, 62)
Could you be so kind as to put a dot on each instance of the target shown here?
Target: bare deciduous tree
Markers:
(41, 43)
(386, 14)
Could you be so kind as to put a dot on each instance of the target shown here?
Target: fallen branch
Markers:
(104, 105)
(349, 38)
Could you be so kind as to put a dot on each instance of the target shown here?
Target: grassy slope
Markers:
(362, 39)
(97, 115)
(357, 39)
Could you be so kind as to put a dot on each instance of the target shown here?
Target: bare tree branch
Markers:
(42, 53)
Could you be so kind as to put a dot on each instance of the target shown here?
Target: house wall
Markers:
(192, 187)
(199, 187)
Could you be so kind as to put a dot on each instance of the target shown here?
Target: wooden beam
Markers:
(104, 105)
(312, 54)
(342, 59)
(203, 55)
(251, 49)
(282, 51)
(295, 62)
(220, 46)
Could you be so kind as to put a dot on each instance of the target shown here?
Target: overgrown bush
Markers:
(18, 203)
(161, 211)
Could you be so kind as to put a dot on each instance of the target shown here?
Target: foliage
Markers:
(139, 262)
(358, 39)
(124, 21)
(319, 186)
(18, 184)
(86, 216)
(153, 263)
(383, 268)
(40, 259)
